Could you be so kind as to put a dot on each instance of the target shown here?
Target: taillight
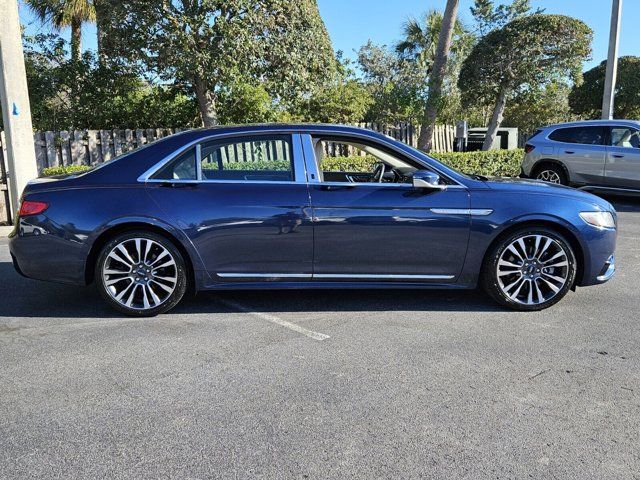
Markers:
(29, 207)
(529, 148)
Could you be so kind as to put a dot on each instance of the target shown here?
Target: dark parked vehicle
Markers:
(596, 155)
(256, 207)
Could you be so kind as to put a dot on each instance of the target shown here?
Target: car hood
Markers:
(537, 187)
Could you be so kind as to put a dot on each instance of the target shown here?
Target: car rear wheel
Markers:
(141, 274)
(552, 174)
(531, 269)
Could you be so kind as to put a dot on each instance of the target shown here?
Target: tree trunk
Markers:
(206, 103)
(436, 78)
(76, 39)
(101, 27)
(496, 119)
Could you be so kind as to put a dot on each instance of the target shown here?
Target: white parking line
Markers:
(278, 321)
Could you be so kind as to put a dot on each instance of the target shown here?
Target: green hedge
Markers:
(499, 163)
(64, 170)
(495, 163)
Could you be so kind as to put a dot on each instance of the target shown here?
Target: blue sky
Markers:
(352, 22)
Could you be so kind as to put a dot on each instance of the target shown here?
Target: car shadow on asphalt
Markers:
(23, 297)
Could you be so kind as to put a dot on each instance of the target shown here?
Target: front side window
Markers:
(257, 158)
(581, 135)
(625, 137)
(353, 161)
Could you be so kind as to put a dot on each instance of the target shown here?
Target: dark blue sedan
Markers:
(306, 206)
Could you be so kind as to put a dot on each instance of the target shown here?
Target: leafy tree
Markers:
(397, 86)
(67, 94)
(66, 13)
(526, 53)
(207, 44)
(538, 107)
(586, 99)
(243, 102)
(489, 16)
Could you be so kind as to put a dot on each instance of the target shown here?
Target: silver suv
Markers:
(594, 155)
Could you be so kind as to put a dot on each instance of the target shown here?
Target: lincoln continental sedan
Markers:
(306, 206)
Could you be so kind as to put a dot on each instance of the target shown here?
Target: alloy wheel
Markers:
(139, 273)
(549, 176)
(533, 269)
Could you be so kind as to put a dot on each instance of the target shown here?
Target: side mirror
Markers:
(426, 179)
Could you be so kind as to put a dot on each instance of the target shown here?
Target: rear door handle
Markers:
(570, 152)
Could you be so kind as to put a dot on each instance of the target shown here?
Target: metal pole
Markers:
(14, 97)
(612, 62)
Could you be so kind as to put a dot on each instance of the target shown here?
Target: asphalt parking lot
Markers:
(323, 384)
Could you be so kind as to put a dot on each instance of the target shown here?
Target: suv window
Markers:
(582, 135)
(625, 137)
(258, 158)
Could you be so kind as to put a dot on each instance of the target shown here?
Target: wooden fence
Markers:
(90, 147)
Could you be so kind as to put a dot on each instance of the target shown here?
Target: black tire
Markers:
(551, 170)
(491, 283)
(179, 271)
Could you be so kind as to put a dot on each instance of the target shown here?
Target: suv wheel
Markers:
(531, 269)
(141, 274)
(552, 174)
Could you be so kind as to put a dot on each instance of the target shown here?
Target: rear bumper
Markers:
(39, 253)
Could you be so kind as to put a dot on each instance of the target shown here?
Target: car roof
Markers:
(586, 123)
(282, 127)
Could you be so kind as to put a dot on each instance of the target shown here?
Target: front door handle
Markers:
(617, 155)
(570, 152)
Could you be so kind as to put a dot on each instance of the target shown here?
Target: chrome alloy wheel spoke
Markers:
(140, 273)
(533, 269)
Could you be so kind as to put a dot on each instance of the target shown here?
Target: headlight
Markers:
(599, 219)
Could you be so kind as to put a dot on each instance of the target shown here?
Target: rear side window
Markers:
(182, 168)
(258, 158)
(535, 134)
(581, 135)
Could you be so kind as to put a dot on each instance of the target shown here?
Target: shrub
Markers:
(64, 170)
(494, 163)
(353, 163)
(498, 163)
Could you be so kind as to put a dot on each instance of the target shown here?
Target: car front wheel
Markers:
(531, 269)
(141, 274)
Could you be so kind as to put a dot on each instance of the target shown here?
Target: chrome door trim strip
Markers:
(381, 276)
(481, 212)
(326, 276)
(264, 275)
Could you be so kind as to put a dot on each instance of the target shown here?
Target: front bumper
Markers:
(608, 271)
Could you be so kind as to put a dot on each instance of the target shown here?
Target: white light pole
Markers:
(16, 111)
(612, 62)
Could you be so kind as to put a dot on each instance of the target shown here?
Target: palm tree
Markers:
(420, 42)
(66, 13)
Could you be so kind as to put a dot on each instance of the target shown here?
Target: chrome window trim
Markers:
(146, 176)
